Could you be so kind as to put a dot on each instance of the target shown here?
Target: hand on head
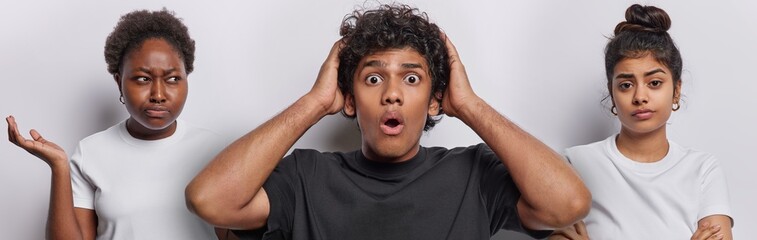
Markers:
(459, 92)
(326, 88)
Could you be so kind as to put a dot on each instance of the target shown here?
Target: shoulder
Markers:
(196, 137)
(472, 149)
(193, 131)
(106, 136)
(587, 152)
(701, 161)
(310, 158)
(479, 154)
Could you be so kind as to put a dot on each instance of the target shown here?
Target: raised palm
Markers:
(48, 151)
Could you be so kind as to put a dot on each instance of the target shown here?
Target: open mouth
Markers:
(392, 123)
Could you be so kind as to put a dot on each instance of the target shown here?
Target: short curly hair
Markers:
(137, 26)
(393, 27)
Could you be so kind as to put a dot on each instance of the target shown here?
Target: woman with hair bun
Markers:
(643, 185)
(127, 182)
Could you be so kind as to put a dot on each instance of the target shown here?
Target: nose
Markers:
(158, 92)
(640, 96)
(392, 93)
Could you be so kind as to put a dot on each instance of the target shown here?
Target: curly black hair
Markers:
(137, 26)
(393, 27)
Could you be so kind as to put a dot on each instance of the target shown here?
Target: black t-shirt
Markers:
(460, 193)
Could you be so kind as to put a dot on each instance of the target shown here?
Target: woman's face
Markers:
(643, 92)
(153, 82)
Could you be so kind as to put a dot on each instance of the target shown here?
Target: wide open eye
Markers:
(373, 80)
(412, 79)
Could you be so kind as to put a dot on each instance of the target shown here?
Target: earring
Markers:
(121, 99)
(614, 111)
(676, 106)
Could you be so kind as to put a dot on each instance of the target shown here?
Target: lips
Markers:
(642, 114)
(157, 112)
(392, 123)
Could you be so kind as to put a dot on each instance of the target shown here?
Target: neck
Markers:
(138, 131)
(643, 147)
(372, 155)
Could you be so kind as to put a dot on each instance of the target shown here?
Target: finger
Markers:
(571, 233)
(10, 130)
(13, 135)
(706, 232)
(581, 228)
(333, 57)
(36, 136)
(454, 57)
(718, 236)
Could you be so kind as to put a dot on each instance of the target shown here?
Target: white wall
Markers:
(538, 62)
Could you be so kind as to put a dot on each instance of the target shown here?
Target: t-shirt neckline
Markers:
(176, 136)
(390, 170)
(667, 162)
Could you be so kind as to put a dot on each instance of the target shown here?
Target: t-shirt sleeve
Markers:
(281, 197)
(501, 195)
(82, 188)
(714, 197)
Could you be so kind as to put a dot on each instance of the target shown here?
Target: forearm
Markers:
(231, 180)
(61, 219)
(552, 192)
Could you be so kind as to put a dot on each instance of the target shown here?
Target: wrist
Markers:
(59, 165)
(471, 109)
(313, 103)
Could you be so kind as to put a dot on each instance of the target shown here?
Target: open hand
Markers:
(48, 151)
(459, 92)
(326, 88)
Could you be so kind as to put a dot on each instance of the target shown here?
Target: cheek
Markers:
(136, 94)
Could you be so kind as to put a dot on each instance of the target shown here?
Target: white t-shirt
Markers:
(136, 187)
(659, 200)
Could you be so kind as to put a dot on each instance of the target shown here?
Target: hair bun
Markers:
(644, 18)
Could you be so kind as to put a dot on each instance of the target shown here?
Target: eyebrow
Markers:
(412, 65)
(628, 75)
(624, 75)
(659, 70)
(377, 63)
(147, 70)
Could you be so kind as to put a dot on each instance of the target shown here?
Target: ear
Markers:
(434, 105)
(677, 92)
(117, 78)
(349, 105)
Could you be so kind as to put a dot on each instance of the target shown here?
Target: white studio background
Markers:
(540, 63)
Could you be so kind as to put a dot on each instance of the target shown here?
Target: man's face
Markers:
(391, 100)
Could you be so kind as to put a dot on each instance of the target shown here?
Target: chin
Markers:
(393, 149)
(644, 128)
(157, 125)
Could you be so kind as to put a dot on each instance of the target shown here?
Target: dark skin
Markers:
(153, 82)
